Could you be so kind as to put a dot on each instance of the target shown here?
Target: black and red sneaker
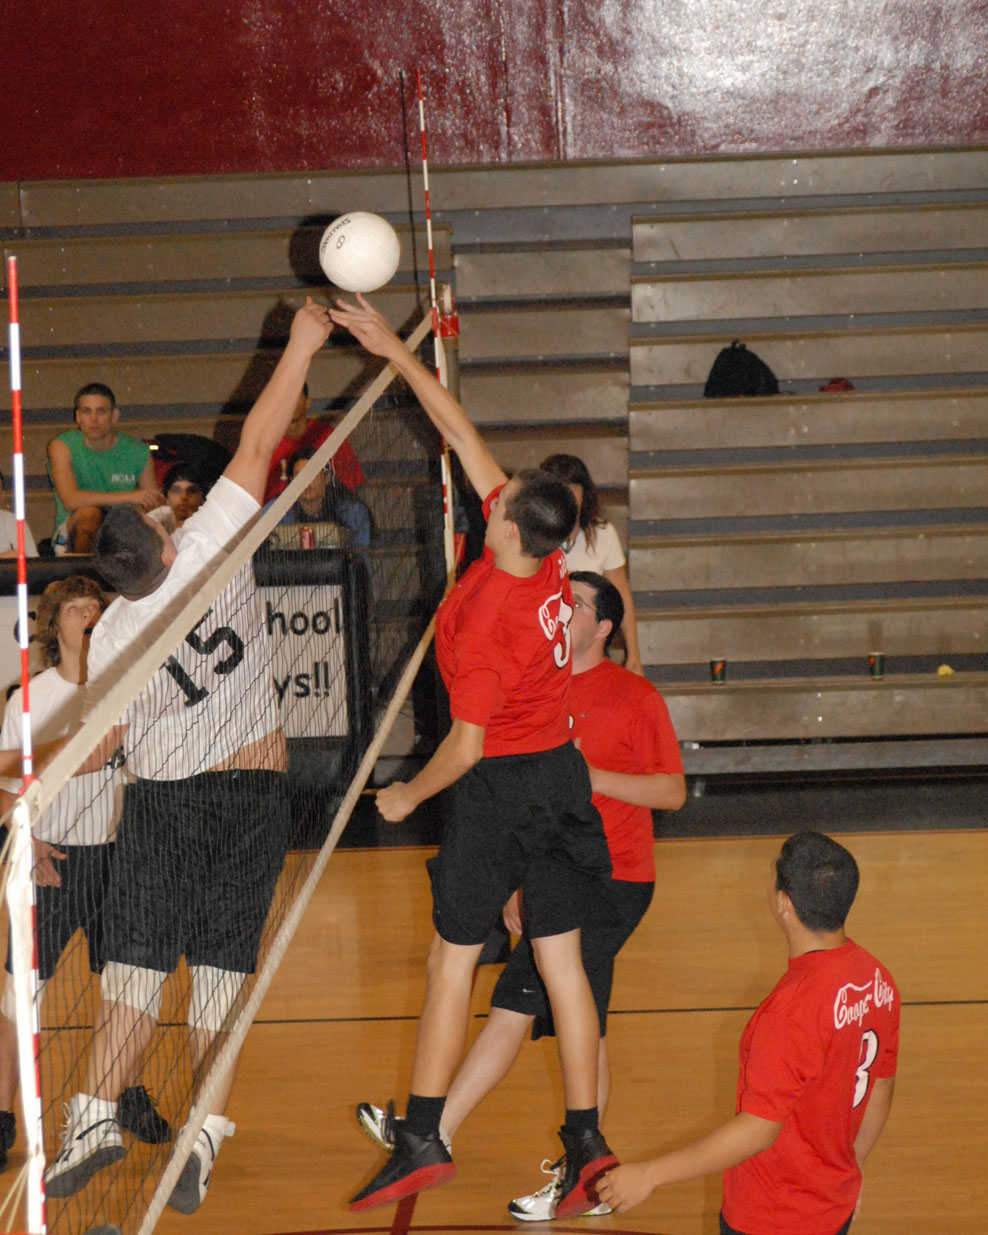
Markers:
(587, 1158)
(416, 1163)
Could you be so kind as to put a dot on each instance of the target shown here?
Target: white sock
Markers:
(217, 1127)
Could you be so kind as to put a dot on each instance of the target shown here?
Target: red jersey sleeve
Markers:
(654, 738)
(782, 1060)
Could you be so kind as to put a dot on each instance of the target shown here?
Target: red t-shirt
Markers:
(503, 649)
(345, 463)
(623, 725)
(807, 1060)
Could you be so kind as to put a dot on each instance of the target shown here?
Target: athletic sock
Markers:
(579, 1122)
(423, 1115)
(217, 1127)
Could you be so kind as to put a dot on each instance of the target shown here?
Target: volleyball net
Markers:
(174, 869)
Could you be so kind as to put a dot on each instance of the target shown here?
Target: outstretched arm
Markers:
(625, 1186)
(373, 332)
(269, 418)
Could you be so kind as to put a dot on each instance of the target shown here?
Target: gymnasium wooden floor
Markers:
(338, 1026)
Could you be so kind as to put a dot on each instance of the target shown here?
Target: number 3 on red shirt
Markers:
(869, 1053)
(560, 652)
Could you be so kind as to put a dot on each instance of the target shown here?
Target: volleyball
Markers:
(359, 252)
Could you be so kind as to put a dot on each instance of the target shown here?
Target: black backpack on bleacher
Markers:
(736, 371)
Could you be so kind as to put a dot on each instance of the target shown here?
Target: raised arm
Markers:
(269, 418)
(146, 495)
(373, 332)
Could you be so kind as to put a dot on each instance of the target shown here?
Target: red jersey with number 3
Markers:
(503, 649)
(808, 1060)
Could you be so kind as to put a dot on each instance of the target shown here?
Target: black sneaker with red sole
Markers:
(416, 1163)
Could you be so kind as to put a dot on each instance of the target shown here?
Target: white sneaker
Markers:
(377, 1124)
(91, 1140)
(540, 1206)
(193, 1183)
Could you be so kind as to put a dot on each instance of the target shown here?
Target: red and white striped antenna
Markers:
(444, 325)
(20, 884)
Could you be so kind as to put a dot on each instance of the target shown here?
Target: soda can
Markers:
(306, 538)
(876, 664)
(718, 670)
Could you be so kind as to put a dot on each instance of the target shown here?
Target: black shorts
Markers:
(729, 1230)
(76, 905)
(611, 916)
(195, 868)
(518, 821)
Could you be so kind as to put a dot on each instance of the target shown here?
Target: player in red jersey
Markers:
(817, 1069)
(622, 727)
(521, 813)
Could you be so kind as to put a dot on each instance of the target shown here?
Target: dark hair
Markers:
(607, 603)
(820, 877)
(94, 388)
(185, 471)
(302, 455)
(543, 509)
(575, 472)
(53, 597)
(128, 550)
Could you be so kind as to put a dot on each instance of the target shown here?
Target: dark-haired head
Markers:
(75, 587)
(100, 389)
(189, 472)
(820, 877)
(574, 471)
(607, 603)
(129, 552)
(543, 509)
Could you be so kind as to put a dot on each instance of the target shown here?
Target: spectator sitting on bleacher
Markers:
(303, 432)
(325, 500)
(185, 489)
(92, 467)
(8, 532)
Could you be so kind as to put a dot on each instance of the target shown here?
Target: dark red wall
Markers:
(95, 88)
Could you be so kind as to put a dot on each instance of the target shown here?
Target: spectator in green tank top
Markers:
(92, 467)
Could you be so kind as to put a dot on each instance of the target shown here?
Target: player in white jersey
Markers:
(199, 847)
(73, 836)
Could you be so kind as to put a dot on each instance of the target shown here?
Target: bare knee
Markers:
(450, 962)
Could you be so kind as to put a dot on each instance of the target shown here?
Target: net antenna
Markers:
(20, 879)
(445, 325)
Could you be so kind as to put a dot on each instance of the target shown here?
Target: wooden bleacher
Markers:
(790, 535)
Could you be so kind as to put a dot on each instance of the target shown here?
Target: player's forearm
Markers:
(728, 1145)
(269, 418)
(876, 1113)
(656, 790)
(77, 499)
(483, 472)
(453, 758)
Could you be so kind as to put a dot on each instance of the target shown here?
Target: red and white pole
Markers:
(444, 325)
(20, 883)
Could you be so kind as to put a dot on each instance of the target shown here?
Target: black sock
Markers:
(581, 1121)
(423, 1115)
